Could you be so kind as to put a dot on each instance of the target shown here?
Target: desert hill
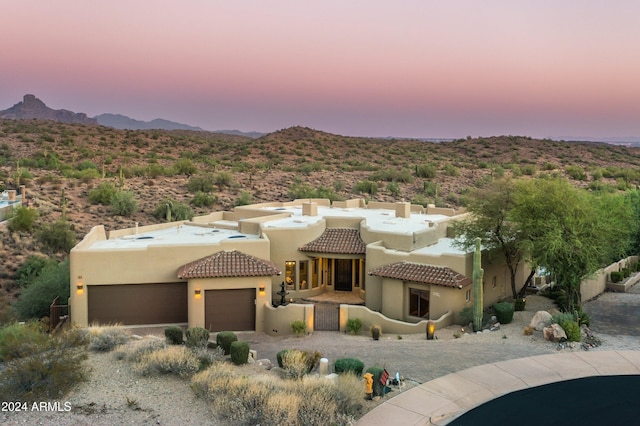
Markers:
(33, 108)
(57, 160)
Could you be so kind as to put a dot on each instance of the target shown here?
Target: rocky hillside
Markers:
(57, 160)
(33, 108)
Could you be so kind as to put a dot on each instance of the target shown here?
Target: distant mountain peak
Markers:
(123, 122)
(33, 108)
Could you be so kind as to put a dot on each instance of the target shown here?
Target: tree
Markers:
(490, 207)
(568, 231)
(56, 237)
(36, 298)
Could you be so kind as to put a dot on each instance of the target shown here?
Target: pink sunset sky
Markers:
(401, 68)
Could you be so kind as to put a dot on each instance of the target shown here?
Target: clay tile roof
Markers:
(337, 240)
(419, 273)
(227, 264)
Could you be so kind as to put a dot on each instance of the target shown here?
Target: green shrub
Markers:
(102, 194)
(426, 171)
(582, 317)
(616, 276)
(375, 330)
(626, 272)
(224, 339)
(31, 269)
(53, 365)
(170, 210)
(197, 337)
(466, 316)
(173, 333)
(349, 365)
(35, 300)
(366, 187)
(20, 340)
(572, 330)
(244, 199)
(520, 304)
(354, 325)
(298, 327)
(56, 237)
(105, 339)
(185, 166)
(201, 183)
(123, 203)
(239, 352)
(22, 219)
(504, 312)
(378, 388)
(202, 199)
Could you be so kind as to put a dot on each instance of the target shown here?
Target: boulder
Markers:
(540, 320)
(265, 363)
(554, 333)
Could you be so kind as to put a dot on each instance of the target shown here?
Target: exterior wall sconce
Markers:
(198, 293)
(261, 289)
(431, 329)
(79, 286)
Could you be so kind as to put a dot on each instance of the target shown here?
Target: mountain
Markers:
(32, 107)
(123, 122)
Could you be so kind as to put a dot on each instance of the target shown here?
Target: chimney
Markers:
(403, 210)
(310, 209)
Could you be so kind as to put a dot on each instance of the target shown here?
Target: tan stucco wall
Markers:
(597, 284)
(277, 321)
(388, 325)
(196, 306)
(134, 266)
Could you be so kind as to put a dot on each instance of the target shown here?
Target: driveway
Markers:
(616, 313)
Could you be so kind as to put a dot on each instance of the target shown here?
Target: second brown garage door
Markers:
(230, 310)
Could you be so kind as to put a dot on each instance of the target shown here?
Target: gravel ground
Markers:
(104, 398)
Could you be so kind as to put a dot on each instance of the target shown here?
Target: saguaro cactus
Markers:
(478, 274)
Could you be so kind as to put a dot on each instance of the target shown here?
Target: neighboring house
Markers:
(222, 271)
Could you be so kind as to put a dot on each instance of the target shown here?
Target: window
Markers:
(467, 296)
(304, 267)
(315, 268)
(356, 270)
(419, 303)
(290, 274)
(494, 282)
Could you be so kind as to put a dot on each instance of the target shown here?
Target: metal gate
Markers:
(327, 316)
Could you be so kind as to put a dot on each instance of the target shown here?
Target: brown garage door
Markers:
(230, 310)
(130, 304)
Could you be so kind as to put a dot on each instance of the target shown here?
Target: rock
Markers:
(554, 333)
(540, 320)
(265, 363)
(495, 327)
(136, 337)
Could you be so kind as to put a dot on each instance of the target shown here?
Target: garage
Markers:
(138, 304)
(230, 310)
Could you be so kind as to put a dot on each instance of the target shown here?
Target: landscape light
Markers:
(261, 289)
(198, 293)
(79, 285)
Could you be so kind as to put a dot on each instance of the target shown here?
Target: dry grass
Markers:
(106, 338)
(177, 360)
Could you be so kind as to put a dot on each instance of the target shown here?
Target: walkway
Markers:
(440, 401)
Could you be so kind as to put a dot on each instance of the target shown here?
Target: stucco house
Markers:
(222, 270)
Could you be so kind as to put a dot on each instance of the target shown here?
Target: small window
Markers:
(304, 266)
(290, 274)
(494, 282)
(467, 296)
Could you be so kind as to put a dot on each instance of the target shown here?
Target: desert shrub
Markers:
(102, 194)
(366, 187)
(349, 365)
(616, 276)
(123, 203)
(520, 304)
(201, 183)
(581, 317)
(377, 386)
(298, 327)
(451, 170)
(239, 352)
(185, 166)
(22, 219)
(35, 300)
(202, 199)
(354, 326)
(52, 367)
(426, 171)
(170, 210)
(572, 330)
(575, 172)
(178, 360)
(134, 351)
(174, 335)
(31, 268)
(56, 237)
(393, 189)
(224, 340)
(466, 316)
(294, 363)
(197, 337)
(626, 272)
(504, 312)
(106, 338)
(20, 340)
(223, 179)
(244, 199)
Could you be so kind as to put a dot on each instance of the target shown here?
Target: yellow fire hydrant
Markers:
(368, 383)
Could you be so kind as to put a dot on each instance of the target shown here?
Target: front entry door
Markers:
(343, 275)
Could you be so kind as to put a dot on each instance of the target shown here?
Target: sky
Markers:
(402, 68)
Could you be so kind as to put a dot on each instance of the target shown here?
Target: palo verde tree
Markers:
(569, 231)
(490, 207)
